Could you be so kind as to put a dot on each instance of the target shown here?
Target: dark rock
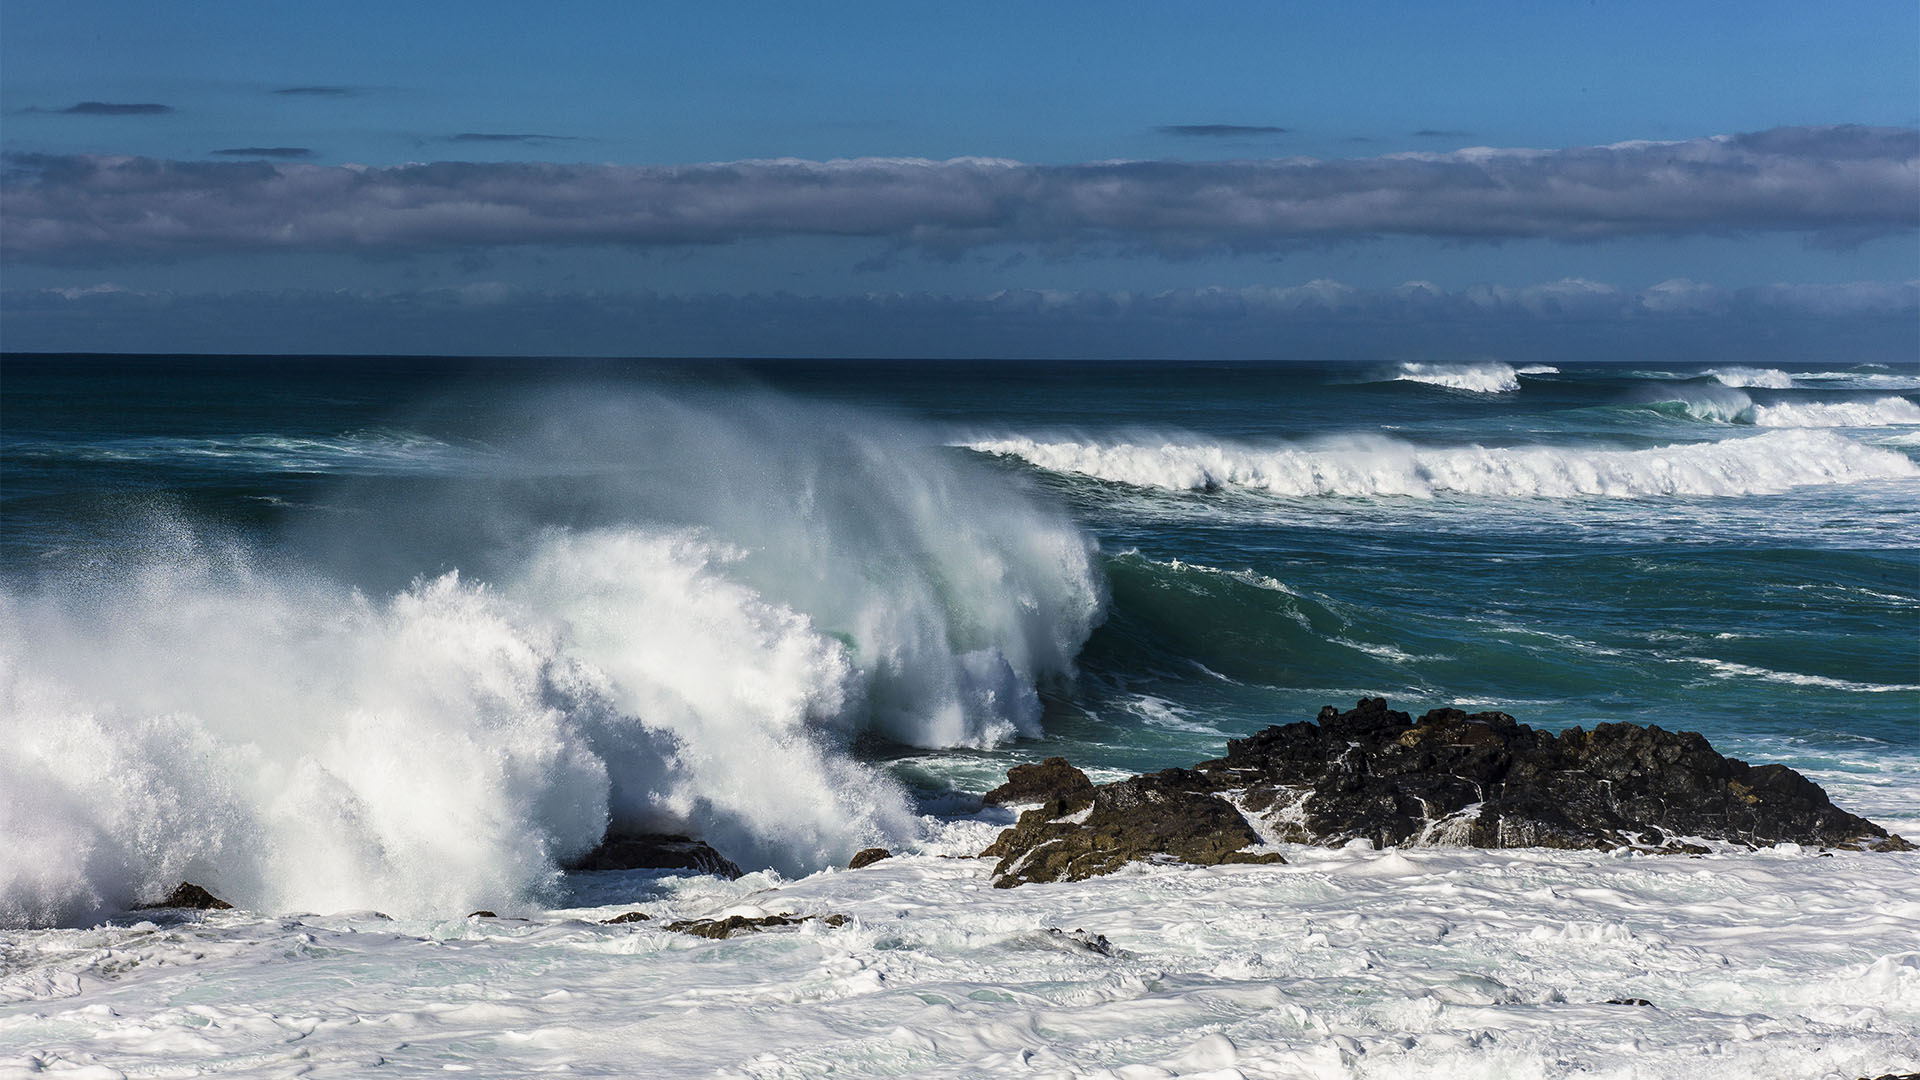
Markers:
(1166, 814)
(1630, 1001)
(1051, 779)
(627, 917)
(1450, 778)
(481, 914)
(733, 924)
(1077, 938)
(868, 857)
(656, 851)
(188, 895)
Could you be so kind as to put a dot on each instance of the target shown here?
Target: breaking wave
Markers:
(1763, 464)
(695, 649)
(1765, 378)
(1726, 405)
(1484, 378)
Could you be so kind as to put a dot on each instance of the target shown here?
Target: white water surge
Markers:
(1358, 466)
(1726, 405)
(1341, 965)
(697, 655)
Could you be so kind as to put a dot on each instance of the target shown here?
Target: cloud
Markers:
(1573, 319)
(1849, 181)
(318, 91)
(288, 152)
(110, 108)
(528, 137)
(1220, 130)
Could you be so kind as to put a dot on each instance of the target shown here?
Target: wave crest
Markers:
(1484, 378)
(1763, 464)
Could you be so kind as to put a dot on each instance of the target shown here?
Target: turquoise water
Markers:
(1717, 549)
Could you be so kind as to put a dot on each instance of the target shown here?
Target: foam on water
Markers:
(1484, 378)
(1340, 965)
(698, 654)
(1883, 412)
(1768, 378)
(1360, 466)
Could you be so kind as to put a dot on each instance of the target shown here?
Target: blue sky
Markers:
(256, 110)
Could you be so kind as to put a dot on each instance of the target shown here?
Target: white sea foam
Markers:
(1768, 378)
(1538, 369)
(1339, 965)
(1483, 378)
(211, 714)
(1861, 379)
(1884, 412)
(1763, 464)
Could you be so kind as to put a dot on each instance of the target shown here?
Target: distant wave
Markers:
(1765, 378)
(761, 584)
(1763, 464)
(1484, 378)
(1725, 405)
(1863, 380)
(1539, 369)
(349, 453)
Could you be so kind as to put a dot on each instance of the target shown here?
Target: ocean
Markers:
(363, 644)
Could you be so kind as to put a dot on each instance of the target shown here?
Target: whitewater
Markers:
(365, 646)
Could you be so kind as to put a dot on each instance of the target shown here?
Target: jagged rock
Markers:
(1630, 1001)
(1166, 814)
(868, 857)
(188, 895)
(626, 917)
(481, 914)
(1051, 779)
(1097, 944)
(656, 851)
(1451, 778)
(733, 924)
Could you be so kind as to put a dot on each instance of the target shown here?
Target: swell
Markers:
(1373, 466)
(683, 620)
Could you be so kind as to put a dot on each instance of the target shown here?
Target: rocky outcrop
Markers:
(868, 857)
(190, 896)
(735, 924)
(656, 851)
(1051, 779)
(1166, 815)
(1451, 778)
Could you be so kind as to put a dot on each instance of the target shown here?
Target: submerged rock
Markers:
(868, 857)
(1451, 778)
(734, 924)
(627, 917)
(190, 896)
(656, 851)
(1049, 780)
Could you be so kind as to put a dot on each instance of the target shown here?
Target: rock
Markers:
(656, 851)
(627, 917)
(191, 896)
(1450, 778)
(1051, 779)
(733, 924)
(1630, 1001)
(481, 914)
(1167, 815)
(868, 857)
(1079, 939)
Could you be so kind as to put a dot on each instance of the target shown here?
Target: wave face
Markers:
(696, 649)
(1765, 378)
(1763, 464)
(1485, 378)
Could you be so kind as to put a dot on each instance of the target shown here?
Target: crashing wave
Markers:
(1486, 378)
(698, 653)
(1764, 464)
(1886, 412)
(1538, 369)
(1764, 378)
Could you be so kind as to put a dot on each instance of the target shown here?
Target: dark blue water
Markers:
(1730, 552)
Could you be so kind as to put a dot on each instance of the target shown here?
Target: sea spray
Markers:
(683, 616)
(1489, 377)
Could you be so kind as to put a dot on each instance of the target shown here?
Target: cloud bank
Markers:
(1851, 182)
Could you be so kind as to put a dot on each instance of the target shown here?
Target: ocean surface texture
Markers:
(363, 645)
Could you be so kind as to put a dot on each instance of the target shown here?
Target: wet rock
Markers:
(481, 914)
(1077, 938)
(734, 924)
(1166, 815)
(1051, 779)
(1451, 777)
(868, 857)
(656, 851)
(1630, 1001)
(190, 896)
(627, 917)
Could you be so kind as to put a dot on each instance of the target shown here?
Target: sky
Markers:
(909, 179)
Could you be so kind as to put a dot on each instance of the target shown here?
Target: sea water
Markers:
(390, 639)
